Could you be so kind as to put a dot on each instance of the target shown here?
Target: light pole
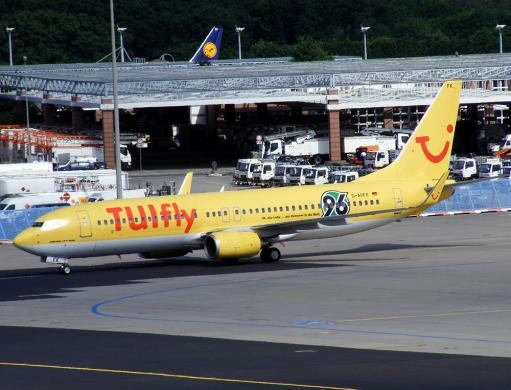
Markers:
(499, 28)
(9, 31)
(364, 31)
(117, 145)
(27, 116)
(238, 31)
(121, 30)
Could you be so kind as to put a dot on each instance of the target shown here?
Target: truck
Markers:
(343, 176)
(57, 199)
(464, 168)
(380, 158)
(316, 175)
(244, 170)
(37, 166)
(282, 172)
(61, 155)
(296, 143)
(491, 168)
(504, 149)
(34, 182)
(297, 174)
(375, 142)
(264, 175)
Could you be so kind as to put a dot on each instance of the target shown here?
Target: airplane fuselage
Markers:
(178, 223)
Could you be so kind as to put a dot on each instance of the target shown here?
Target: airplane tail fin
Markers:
(209, 50)
(186, 185)
(427, 153)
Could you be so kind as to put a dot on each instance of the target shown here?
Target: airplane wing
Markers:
(454, 184)
(186, 186)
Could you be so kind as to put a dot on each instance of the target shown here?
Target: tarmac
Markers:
(394, 307)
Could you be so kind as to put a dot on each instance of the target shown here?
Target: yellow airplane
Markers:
(233, 225)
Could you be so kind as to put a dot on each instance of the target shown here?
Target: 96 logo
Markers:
(334, 203)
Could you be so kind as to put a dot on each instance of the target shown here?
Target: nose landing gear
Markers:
(270, 255)
(64, 268)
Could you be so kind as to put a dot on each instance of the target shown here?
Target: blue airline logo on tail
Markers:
(209, 50)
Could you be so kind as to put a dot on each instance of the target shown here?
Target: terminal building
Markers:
(241, 98)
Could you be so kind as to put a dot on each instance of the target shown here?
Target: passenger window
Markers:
(195, 214)
(262, 210)
(207, 214)
(214, 214)
(281, 208)
(312, 206)
(275, 209)
(243, 212)
(136, 219)
(269, 209)
(99, 222)
(225, 212)
(257, 211)
(124, 220)
(117, 221)
(149, 219)
(299, 207)
(365, 201)
(305, 207)
(251, 211)
(372, 202)
(287, 208)
(236, 212)
(377, 201)
(293, 208)
(111, 222)
(105, 222)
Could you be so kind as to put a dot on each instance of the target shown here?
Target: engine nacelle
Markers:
(164, 254)
(232, 245)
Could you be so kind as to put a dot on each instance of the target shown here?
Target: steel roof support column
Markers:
(108, 135)
(49, 110)
(388, 117)
(21, 106)
(262, 112)
(334, 127)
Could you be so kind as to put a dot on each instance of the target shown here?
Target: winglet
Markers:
(186, 186)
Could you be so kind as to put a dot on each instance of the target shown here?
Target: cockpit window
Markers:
(37, 224)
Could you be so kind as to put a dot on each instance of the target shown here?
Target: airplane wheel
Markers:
(65, 269)
(270, 255)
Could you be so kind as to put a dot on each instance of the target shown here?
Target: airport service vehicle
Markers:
(297, 143)
(504, 149)
(244, 170)
(377, 159)
(282, 172)
(316, 175)
(464, 168)
(33, 182)
(20, 168)
(61, 155)
(297, 174)
(490, 169)
(23, 201)
(264, 176)
(373, 143)
(343, 176)
(232, 225)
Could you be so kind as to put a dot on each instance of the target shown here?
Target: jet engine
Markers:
(232, 245)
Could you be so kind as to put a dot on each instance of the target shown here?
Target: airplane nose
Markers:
(23, 240)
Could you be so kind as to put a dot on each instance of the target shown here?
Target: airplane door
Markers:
(398, 198)
(85, 226)
(236, 214)
(225, 215)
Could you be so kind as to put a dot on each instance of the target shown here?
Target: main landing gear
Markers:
(270, 255)
(64, 268)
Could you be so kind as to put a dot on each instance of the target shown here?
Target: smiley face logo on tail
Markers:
(430, 156)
